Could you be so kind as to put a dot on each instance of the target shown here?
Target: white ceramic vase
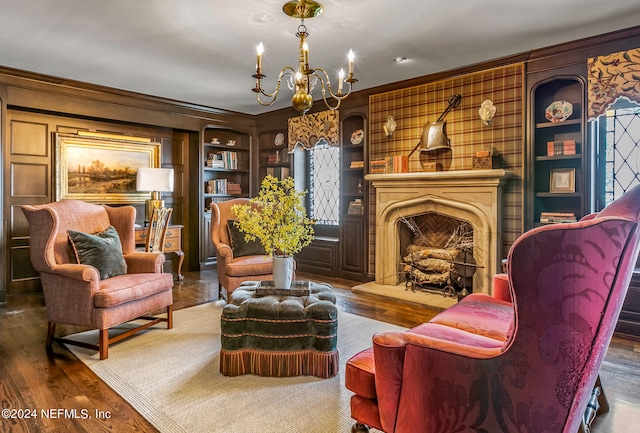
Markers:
(282, 271)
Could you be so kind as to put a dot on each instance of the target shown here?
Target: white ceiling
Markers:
(203, 51)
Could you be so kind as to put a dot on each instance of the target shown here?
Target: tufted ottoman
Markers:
(276, 335)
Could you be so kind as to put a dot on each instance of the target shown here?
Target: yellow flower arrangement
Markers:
(276, 217)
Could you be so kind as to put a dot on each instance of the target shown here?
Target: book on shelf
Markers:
(217, 186)
(210, 200)
(356, 207)
(378, 166)
(278, 172)
(227, 159)
(275, 158)
(564, 147)
(356, 164)
(234, 188)
(557, 217)
(397, 164)
(558, 214)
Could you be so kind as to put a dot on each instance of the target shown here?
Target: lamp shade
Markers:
(154, 179)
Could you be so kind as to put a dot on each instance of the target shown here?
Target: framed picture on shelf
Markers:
(563, 180)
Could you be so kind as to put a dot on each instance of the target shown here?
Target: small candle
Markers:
(340, 78)
(305, 49)
(299, 82)
(351, 57)
(259, 51)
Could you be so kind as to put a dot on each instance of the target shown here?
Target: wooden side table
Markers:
(172, 243)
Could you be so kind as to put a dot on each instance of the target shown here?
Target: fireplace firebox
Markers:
(437, 254)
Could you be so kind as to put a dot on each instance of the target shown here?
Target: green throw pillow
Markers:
(239, 246)
(101, 250)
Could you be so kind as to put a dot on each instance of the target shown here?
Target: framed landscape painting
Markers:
(102, 169)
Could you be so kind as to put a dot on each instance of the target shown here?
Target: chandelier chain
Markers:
(302, 30)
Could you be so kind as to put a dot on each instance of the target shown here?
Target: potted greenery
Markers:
(276, 217)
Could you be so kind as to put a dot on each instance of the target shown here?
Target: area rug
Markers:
(172, 378)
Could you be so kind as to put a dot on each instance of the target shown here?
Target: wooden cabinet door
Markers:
(352, 245)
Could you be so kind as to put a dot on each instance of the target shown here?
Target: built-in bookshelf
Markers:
(225, 165)
(353, 197)
(273, 156)
(353, 166)
(558, 169)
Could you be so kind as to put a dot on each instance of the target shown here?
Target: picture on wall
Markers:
(102, 169)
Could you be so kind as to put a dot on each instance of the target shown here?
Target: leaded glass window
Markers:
(622, 151)
(324, 189)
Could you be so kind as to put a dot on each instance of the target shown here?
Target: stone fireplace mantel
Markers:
(474, 196)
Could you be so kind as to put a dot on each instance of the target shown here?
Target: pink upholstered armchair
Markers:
(567, 282)
(100, 296)
(235, 267)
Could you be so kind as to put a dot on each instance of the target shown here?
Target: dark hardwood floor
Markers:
(32, 379)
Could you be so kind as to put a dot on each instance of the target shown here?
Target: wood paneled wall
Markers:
(31, 177)
(34, 106)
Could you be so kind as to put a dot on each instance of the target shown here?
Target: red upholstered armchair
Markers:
(567, 282)
(92, 296)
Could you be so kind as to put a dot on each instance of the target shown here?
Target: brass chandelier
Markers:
(303, 80)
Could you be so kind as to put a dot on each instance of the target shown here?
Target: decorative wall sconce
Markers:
(487, 112)
(389, 126)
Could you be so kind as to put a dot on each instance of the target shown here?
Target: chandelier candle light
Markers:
(304, 79)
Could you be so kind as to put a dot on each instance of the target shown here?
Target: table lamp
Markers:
(156, 180)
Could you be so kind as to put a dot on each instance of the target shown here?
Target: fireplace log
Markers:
(438, 266)
(419, 252)
(428, 278)
(432, 265)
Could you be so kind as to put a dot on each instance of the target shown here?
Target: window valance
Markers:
(611, 77)
(308, 130)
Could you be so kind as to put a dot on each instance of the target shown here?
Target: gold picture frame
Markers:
(102, 169)
(562, 180)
